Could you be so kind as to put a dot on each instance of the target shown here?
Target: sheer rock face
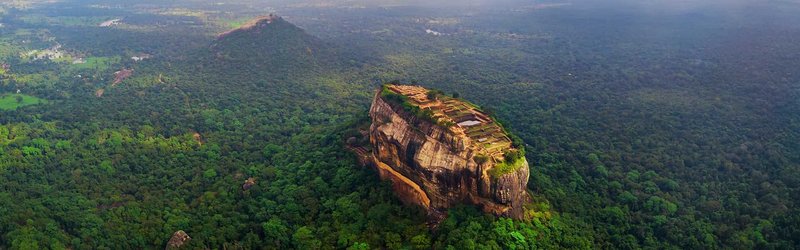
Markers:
(432, 167)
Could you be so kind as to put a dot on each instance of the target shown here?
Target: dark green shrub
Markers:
(481, 159)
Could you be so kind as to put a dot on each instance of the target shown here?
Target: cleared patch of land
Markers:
(99, 63)
(233, 23)
(68, 21)
(14, 101)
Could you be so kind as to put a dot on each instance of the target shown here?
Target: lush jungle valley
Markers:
(647, 124)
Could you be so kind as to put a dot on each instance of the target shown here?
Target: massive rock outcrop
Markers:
(440, 151)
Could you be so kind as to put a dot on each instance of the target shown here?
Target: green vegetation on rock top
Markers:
(424, 114)
(513, 160)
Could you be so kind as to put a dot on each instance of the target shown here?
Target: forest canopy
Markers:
(646, 125)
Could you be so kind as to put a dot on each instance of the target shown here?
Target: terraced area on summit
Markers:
(485, 135)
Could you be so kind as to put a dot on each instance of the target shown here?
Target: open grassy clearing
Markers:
(14, 101)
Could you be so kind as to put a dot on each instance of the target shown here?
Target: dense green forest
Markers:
(644, 127)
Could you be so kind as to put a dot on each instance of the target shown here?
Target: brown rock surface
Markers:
(178, 239)
(431, 162)
(121, 75)
(250, 182)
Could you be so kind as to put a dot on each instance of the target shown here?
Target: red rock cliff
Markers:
(440, 151)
